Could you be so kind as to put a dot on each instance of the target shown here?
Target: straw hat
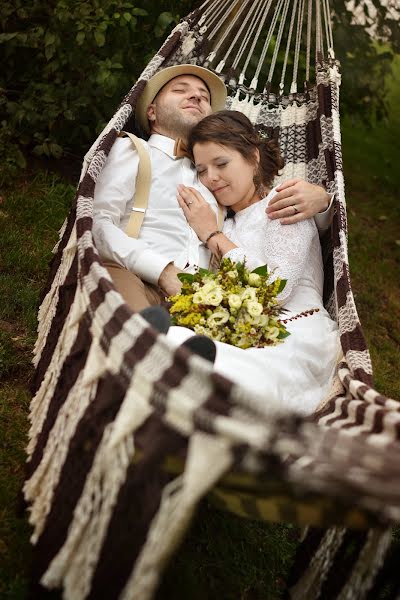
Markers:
(213, 82)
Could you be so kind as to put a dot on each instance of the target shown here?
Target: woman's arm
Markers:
(287, 250)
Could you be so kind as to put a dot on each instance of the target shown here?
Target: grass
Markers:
(223, 556)
(31, 212)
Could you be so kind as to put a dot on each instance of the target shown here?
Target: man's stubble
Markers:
(174, 124)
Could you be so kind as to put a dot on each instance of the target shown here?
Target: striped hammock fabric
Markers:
(128, 436)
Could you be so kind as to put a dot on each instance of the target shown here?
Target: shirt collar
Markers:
(163, 143)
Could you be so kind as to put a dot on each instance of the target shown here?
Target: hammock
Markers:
(127, 436)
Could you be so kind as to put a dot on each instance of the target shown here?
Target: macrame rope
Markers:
(319, 48)
(328, 26)
(220, 8)
(288, 43)
(221, 64)
(255, 40)
(293, 88)
(229, 28)
(278, 41)
(266, 44)
(308, 52)
(207, 11)
(258, 12)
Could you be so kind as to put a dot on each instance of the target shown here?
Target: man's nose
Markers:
(195, 95)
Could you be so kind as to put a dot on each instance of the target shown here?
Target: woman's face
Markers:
(226, 174)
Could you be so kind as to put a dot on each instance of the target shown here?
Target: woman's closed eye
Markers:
(202, 171)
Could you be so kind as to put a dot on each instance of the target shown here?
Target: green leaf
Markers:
(139, 12)
(163, 21)
(282, 285)
(80, 37)
(262, 271)
(6, 37)
(185, 277)
(127, 16)
(49, 39)
(55, 150)
(203, 272)
(49, 52)
(20, 159)
(283, 334)
(100, 38)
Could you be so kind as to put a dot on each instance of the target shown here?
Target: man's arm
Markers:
(113, 200)
(297, 200)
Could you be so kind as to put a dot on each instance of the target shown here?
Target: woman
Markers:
(239, 167)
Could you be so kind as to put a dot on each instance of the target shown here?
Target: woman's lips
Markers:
(219, 189)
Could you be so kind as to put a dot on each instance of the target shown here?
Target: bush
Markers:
(67, 65)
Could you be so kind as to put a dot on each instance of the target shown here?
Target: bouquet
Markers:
(233, 305)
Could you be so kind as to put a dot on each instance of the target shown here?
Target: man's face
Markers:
(180, 104)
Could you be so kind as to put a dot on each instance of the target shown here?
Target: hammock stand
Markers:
(127, 435)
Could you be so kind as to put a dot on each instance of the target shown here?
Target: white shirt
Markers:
(165, 235)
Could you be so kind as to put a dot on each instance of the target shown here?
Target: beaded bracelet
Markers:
(210, 236)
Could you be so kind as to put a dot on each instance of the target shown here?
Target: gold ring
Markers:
(189, 202)
(295, 210)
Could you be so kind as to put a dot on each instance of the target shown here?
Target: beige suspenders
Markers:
(142, 191)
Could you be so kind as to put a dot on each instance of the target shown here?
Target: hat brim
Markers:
(156, 83)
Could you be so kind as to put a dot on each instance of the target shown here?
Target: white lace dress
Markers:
(296, 375)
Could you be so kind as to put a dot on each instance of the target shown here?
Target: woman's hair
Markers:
(233, 129)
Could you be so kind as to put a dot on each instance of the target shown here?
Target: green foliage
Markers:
(366, 60)
(66, 66)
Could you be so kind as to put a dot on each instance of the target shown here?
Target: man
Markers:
(145, 270)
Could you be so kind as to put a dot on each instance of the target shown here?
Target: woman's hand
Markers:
(197, 211)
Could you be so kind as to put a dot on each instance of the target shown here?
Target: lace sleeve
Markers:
(287, 250)
(284, 248)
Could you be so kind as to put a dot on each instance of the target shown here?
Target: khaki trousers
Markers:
(137, 294)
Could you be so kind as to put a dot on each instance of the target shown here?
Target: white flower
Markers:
(214, 297)
(273, 332)
(219, 317)
(209, 286)
(254, 308)
(260, 321)
(198, 297)
(235, 301)
(254, 280)
(232, 274)
(248, 294)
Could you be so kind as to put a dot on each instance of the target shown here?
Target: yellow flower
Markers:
(181, 303)
(189, 320)
(219, 317)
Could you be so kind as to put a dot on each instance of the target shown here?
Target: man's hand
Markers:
(168, 280)
(297, 200)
